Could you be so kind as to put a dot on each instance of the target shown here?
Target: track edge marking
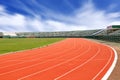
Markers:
(108, 73)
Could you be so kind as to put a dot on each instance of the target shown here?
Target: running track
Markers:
(70, 59)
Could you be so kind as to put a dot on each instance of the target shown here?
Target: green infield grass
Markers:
(17, 44)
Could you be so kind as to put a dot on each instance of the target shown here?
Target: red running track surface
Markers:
(70, 59)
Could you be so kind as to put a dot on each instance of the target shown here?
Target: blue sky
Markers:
(57, 15)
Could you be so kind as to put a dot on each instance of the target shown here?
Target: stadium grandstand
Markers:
(113, 28)
(9, 34)
(117, 32)
(1, 34)
(111, 32)
(56, 34)
(98, 32)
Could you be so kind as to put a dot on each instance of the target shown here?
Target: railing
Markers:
(107, 38)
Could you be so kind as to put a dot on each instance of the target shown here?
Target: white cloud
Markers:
(1, 8)
(18, 22)
(114, 15)
(115, 23)
(14, 20)
(86, 17)
(60, 26)
(93, 18)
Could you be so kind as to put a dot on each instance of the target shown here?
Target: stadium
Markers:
(59, 40)
(59, 55)
(113, 30)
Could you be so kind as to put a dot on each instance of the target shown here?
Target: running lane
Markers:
(70, 59)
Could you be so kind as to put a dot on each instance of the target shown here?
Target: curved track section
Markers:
(71, 59)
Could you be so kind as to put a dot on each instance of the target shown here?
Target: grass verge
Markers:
(16, 44)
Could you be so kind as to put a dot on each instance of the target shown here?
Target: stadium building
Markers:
(110, 33)
(113, 28)
(1, 34)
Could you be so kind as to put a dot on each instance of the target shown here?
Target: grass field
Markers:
(16, 44)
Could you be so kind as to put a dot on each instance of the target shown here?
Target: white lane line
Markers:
(112, 66)
(105, 77)
(33, 48)
(39, 58)
(103, 66)
(22, 57)
(27, 60)
(29, 66)
(55, 65)
(28, 55)
(78, 66)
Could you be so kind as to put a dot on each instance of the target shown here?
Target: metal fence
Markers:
(107, 38)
